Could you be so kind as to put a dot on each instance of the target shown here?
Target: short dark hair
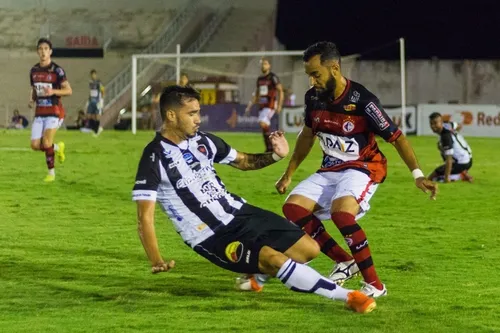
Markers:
(92, 71)
(434, 115)
(44, 41)
(326, 50)
(173, 97)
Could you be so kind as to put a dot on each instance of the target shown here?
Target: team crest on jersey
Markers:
(203, 149)
(49, 77)
(350, 107)
(348, 126)
(234, 251)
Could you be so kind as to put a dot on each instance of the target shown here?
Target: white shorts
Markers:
(265, 116)
(325, 187)
(40, 124)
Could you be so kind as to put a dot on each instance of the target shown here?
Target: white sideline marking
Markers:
(14, 149)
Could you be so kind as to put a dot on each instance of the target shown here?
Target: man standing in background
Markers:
(95, 102)
(268, 87)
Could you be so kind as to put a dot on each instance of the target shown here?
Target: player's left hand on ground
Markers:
(163, 267)
(280, 145)
(426, 185)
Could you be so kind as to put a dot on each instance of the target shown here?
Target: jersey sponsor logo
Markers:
(348, 126)
(362, 245)
(329, 162)
(174, 213)
(234, 251)
(374, 112)
(188, 157)
(354, 97)
(339, 147)
(214, 192)
(59, 71)
(205, 173)
(350, 107)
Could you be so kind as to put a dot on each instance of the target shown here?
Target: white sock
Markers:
(56, 147)
(52, 172)
(302, 278)
(456, 177)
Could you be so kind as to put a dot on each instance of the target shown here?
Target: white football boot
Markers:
(371, 291)
(251, 282)
(343, 271)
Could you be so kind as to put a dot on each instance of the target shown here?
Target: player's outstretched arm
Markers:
(305, 141)
(245, 161)
(147, 234)
(408, 156)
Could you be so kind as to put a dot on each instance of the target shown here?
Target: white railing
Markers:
(121, 82)
(220, 14)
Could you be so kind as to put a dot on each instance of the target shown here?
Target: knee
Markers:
(293, 211)
(270, 260)
(46, 142)
(312, 250)
(35, 145)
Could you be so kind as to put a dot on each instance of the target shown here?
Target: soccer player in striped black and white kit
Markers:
(176, 170)
(455, 151)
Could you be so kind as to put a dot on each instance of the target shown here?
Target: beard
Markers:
(328, 91)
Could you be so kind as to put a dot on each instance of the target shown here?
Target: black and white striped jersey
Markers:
(453, 143)
(182, 179)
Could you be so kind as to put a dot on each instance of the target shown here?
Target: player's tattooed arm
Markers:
(245, 162)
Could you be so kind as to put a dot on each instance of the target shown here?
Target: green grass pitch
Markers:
(71, 260)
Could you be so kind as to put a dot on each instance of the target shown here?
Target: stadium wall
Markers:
(428, 81)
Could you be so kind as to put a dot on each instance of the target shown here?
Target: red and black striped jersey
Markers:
(42, 78)
(346, 128)
(267, 90)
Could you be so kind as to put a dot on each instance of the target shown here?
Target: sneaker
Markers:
(49, 178)
(60, 152)
(248, 283)
(343, 271)
(359, 302)
(371, 291)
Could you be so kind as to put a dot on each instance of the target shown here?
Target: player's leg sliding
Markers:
(358, 244)
(345, 267)
(302, 278)
(251, 282)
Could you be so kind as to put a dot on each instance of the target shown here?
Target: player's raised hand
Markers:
(426, 185)
(283, 183)
(279, 143)
(163, 267)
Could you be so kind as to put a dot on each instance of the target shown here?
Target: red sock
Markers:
(355, 238)
(267, 141)
(49, 157)
(314, 228)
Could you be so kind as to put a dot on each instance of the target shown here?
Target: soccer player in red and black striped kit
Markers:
(269, 96)
(345, 117)
(48, 84)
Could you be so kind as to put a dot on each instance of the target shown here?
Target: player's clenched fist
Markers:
(163, 267)
(283, 183)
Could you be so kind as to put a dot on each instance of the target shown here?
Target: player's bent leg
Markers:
(344, 211)
(302, 278)
(299, 209)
